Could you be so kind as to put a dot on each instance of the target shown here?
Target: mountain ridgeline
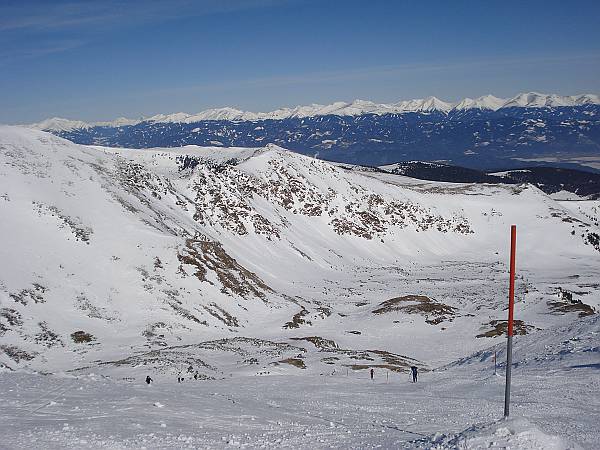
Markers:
(476, 137)
(551, 180)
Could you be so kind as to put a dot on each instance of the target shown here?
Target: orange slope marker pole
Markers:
(511, 310)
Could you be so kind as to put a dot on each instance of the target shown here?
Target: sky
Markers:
(98, 60)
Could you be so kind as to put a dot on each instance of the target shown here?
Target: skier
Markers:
(414, 370)
(179, 379)
(148, 379)
(196, 375)
(372, 372)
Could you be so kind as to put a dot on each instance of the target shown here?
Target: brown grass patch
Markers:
(319, 342)
(216, 311)
(433, 311)
(330, 360)
(500, 327)
(81, 337)
(296, 362)
(378, 366)
(16, 354)
(234, 278)
(576, 306)
(298, 320)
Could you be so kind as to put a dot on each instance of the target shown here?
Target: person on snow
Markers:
(148, 379)
(372, 373)
(196, 375)
(414, 371)
(179, 379)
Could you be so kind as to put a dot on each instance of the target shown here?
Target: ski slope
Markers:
(281, 280)
(554, 406)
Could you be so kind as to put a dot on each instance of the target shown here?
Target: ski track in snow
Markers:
(288, 411)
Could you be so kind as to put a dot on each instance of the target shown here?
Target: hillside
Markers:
(155, 256)
(577, 184)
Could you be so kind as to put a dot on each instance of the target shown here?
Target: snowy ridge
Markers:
(60, 124)
(355, 108)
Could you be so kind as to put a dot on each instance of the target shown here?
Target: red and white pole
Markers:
(511, 308)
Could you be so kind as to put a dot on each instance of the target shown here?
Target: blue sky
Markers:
(97, 60)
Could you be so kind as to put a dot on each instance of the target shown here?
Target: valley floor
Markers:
(339, 411)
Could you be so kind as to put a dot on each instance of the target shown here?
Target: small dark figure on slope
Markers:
(415, 373)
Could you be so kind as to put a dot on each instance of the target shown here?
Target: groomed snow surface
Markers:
(555, 405)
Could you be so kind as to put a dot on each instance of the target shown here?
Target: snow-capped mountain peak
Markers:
(586, 99)
(537, 100)
(416, 105)
(484, 102)
(354, 108)
(60, 124)
(435, 104)
(166, 118)
(119, 122)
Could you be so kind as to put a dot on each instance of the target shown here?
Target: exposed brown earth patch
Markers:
(500, 327)
(207, 256)
(16, 354)
(34, 294)
(318, 342)
(81, 337)
(11, 317)
(298, 320)
(573, 306)
(296, 362)
(378, 366)
(216, 311)
(433, 311)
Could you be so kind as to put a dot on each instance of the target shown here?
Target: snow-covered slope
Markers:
(114, 259)
(355, 108)
(555, 405)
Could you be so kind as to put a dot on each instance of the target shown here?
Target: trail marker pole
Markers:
(495, 364)
(511, 307)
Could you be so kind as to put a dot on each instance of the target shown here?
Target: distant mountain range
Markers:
(355, 108)
(486, 133)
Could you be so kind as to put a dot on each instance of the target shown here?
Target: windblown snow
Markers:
(280, 280)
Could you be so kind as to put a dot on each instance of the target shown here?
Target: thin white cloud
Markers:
(378, 72)
(49, 16)
(9, 55)
(43, 23)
